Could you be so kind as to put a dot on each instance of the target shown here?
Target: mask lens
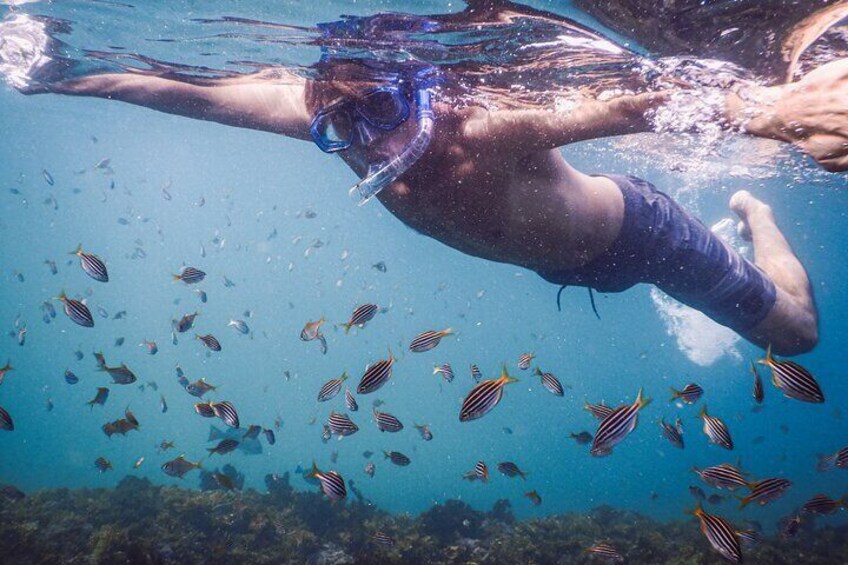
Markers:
(335, 129)
(385, 109)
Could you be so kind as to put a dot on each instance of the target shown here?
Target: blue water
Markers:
(255, 184)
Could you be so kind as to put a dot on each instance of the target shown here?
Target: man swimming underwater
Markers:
(493, 184)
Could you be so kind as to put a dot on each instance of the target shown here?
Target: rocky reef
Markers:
(139, 522)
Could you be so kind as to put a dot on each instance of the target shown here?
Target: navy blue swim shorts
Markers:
(661, 244)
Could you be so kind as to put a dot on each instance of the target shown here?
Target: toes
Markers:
(744, 231)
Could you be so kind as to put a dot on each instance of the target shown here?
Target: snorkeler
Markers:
(490, 181)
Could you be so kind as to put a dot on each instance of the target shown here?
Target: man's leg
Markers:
(791, 326)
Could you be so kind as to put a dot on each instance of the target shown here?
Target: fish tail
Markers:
(697, 511)
(537, 371)
(62, 296)
(642, 402)
(344, 376)
(447, 331)
(768, 359)
(177, 277)
(346, 326)
(436, 369)
(743, 501)
(675, 394)
(78, 251)
(314, 472)
(386, 454)
(703, 411)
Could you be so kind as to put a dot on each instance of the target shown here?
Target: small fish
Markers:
(240, 326)
(331, 388)
(838, 459)
(792, 379)
(476, 374)
(617, 426)
(386, 422)
(52, 264)
(100, 359)
(152, 348)
(163, 406)
(599, 411)
(224, 481)
(312, 330)
(582, 438)
(323, 342)
(425, 432)
(103, 312)
(179, 467)
(758, 385)
(199, 387)
(690, 393)
(716, 430)
(226, 412)
(6, 422)
(605, 552)
(376, 375)
(715, 499)
(673, 433)
(370, 468)
(77, 311)
(228, 283)
(48, 178)
(326, 433)
(341, 425)
(269, 436)
(48, 308)
(121, 375)
(722, 476)
(21, 336)
(190, 275)
(5, 369)
(92, 265)
(511, 470)
(697, 492)
(534, 497)
(332, 483)
(381, 266)
(100, 397)
(484, 397)
(225, 446)
(252, 432)
(102, 464)
(524, 361)
(165, 445)
(350, 402)
(383, 539)
(185, 323)
(397, 458)
(721, 534)
(766, 490)
(550, 382)
(445, 370)
(79, 355)
(202, 294)
(425, 341)
(70, 377)
(822, 504)
(210, 341)
(361, 315)
(174, 337)
(119, 341)
(481, 471)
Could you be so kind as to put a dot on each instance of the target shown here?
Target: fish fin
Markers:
(447, 331)
(768, 359)
(314, 472)
(344, 376)
(675, 394)
(697, 511)
(703, 411)
(346, 326)
(537, 371)
(743, 501)
(62, 296)
(642, 402)
(78, 251)
(177, 277)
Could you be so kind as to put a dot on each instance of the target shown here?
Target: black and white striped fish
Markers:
(226, 412)
(210, 341)
(445, 370)
(617, 426)
(605, 552)
(511, 470)
(341, 424)
(225, 446)
(792, 379)
(722, 476)
(350, 402)
(397, 458)
(721, 534)
(361, 315)
(77, 311)
(92, 265)
(386, 422)
(524, 361)
(331, 388)
(190, 275)
(599, 411)
(838, 459)
(766, 490)
(376, 375)
(425, 341)
(383, 539)
(484, 396)
(332, 484)
(6, 422)
(716, 430)
(673, 432)
(482, 471)
(550, 382)
(822, 504)
(759, 393)
(690, 393)
(205, 409)
(476, 374)
(424, 430)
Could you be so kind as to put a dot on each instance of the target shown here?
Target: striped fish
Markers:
(599, 411)
(425, 341)
(383, 539)
(397, 458)
(424, 430)
(226, 412)
(822, 504)
(716, 430)
(721, 534)
(341, 425)
(749, 538)
(766, 490)
(722, 476)
(605, 552)
(386, 422)
(332, 484)
(361, 315)
(550, 382)
(376, 375)
(92, 265)
(481, 471)
(331, 388)
(511, 470)
(102, 464)
(77, 311)
(759, 394)
(445, 370)
(484, 396)
(224, 446)
(525, 360)
(690, 393)
(476, 374)
(6, 422)
(350, 402)
(838, 459)
(792, 379)
(205, 409)
(673, 433)
(210, 341)
(615, 427)
(190, 275)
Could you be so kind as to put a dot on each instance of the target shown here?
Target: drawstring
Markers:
(591, 300)
(559, 295)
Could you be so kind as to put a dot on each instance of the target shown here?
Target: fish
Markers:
(445, 370)
(246, 446)
(100, 397)
(152, 348)
(511, 470)
(383, 539)
(722, 476)
(226, 412)
(524, 361)
(52, 264)
(102, 464)
(6, 422)
(21, 336)
(476, 374)
(224, 446)
(790, 526)
(715, 499)
(350, 402)
(179, 467)
(312, 330)
(103, 312)
(163, 406)
(77, 311)
(5, 369)
(185, 323)
(689, 394)
(838, 459)
(361, 315)
(326, 433)
(190, 275)
(481, 471)
(721, 534)
(48, 405)
(332, 483)
(765, 491)
(100, 359)
(121, 375)
(425, 432)
(376, 375)
(605, 552)
(165, 445)
(48, 307)
(380, 266)
(697, 492)
(93, 265)
(252, 432)
(209, 341)
(397, 458)
(174, 337)
(550, 382)
(484, 397)
(224, 481)
(269, 436)
(599, 411)
(228, 283)
(425, 341)
(240, 326)
(202, 294)
(386, 422)
(48, 178)
(70, 377)
(716, 430)
(79, 355)
(792, 379)
(119, 341)
(673, 433)
(199, 387)
(617, 426)
(370, 468)
(582, 438)
(323, 342)
(534, 497)
(341, 425)
(331, 388)
(204, 409)
(758, 385)
(138, 463)
(822, 504)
